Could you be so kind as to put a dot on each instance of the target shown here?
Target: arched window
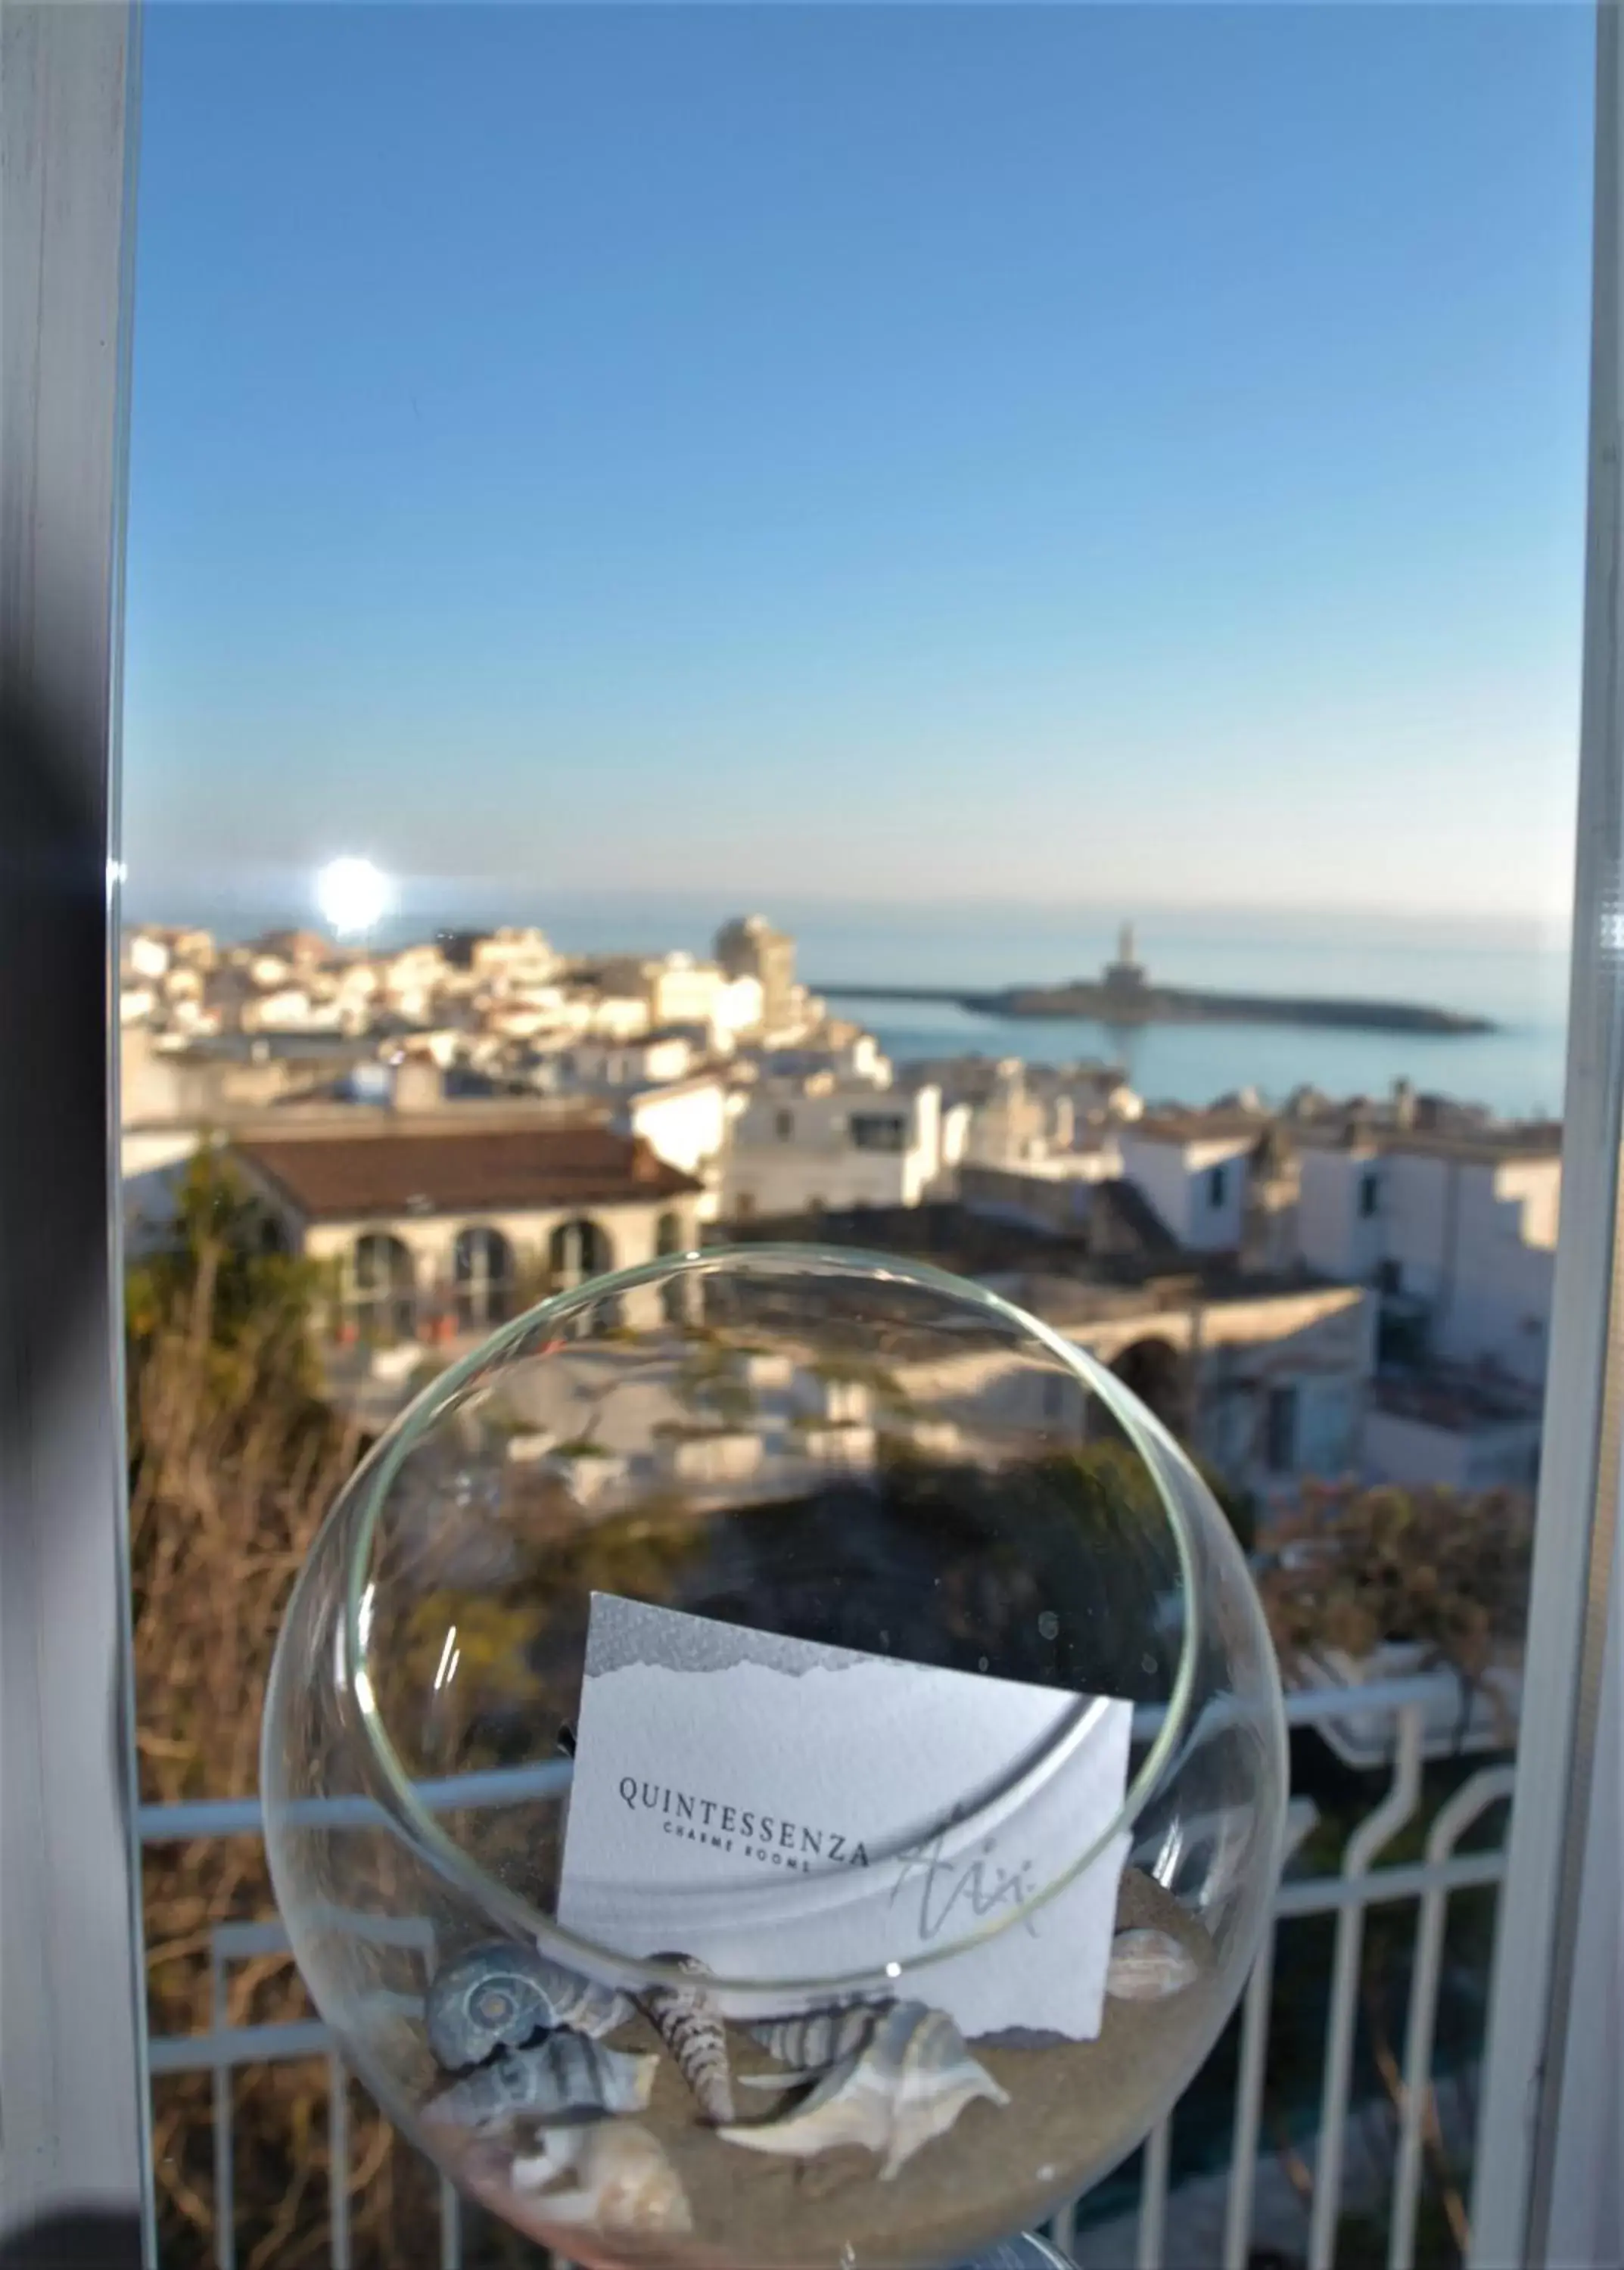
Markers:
(667, 1233)
(270, 1236)
(1158, 1375)
(576, 1251)
(383, 1289)
(482, 1267)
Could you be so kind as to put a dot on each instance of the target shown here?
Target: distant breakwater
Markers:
(1126, 1007)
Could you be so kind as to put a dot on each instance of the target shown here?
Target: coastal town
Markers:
(1353, 1288)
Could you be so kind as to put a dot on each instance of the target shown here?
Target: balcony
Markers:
(1540, 2149)
(1348, 2151)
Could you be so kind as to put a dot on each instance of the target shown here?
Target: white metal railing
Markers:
(1360, 1884)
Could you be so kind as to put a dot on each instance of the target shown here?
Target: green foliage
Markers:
(223, 1281)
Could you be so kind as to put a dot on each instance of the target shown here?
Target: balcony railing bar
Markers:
(1493, 1786)
(1372, 1834)
(227, 1816)
(1152, 2231)
(339, 2159)
(1248, 2104)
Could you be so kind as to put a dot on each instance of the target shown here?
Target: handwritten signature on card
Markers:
(964, 1890)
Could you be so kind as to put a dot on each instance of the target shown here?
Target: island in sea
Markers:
(1124, 995)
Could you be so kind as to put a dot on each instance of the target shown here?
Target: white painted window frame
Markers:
(1550, 2146)
(72, 2075)
(74, 2156)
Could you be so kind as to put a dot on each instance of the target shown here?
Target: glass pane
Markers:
(952, 632)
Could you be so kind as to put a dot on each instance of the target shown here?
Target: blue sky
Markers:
(1046, 456)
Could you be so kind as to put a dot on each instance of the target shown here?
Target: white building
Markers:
(291, 1009)
(1457, 1230)
(749, 946)
(513, 960)
(1193, 1169)
(676, 990)
(1457, 1433)
(685, 1122)
(617, 1016)
(1266, 1381)
(435, 1234)
(647, 1061)
(412, 979)
(684, 992)
(801, 1146)
(845, 1051)
(739, 1011)
(548, 1017)
(146, 956)
(1021, 1115)
(1055, 1194)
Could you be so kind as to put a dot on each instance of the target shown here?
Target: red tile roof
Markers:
(343, 1177)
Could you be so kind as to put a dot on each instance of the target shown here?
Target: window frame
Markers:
(72, 2068)
(72, 2000)
(1548, 2156)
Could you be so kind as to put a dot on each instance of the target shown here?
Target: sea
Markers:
(1512, 972)
(1519, 983)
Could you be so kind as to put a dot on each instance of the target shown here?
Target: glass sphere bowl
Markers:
(865, 1920)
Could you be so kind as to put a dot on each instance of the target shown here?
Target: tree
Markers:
(225, 1282)
(234, 1458)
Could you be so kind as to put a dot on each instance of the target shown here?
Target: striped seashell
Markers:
(623, 2180)
(566, 2073)
(690, 2025)
(907, 2084)
(819, 2038)
(1145, 1965)
(501, 1997)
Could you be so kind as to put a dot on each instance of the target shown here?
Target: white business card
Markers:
(788, 1811)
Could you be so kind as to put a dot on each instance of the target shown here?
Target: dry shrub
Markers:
(1352, 1569)
(234, 1461)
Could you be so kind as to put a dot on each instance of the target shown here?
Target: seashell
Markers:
(818, 2039)
(908, 2084)
(623, 2179)
(500, 1997)
(1145, 1965)
(690, 2026)
(565, 2074)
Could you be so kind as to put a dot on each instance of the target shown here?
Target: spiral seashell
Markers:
(566, 2073)
(908, 2085)
(817, 2039)
(1145, 1965)
(502, 1996)
(623, 2180)
(690, 2026)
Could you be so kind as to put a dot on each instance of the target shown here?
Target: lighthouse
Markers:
(1125, 975)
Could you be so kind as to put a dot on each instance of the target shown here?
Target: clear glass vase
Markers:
(845, 1526)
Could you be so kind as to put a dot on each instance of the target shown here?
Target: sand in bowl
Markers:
(662, 2186)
